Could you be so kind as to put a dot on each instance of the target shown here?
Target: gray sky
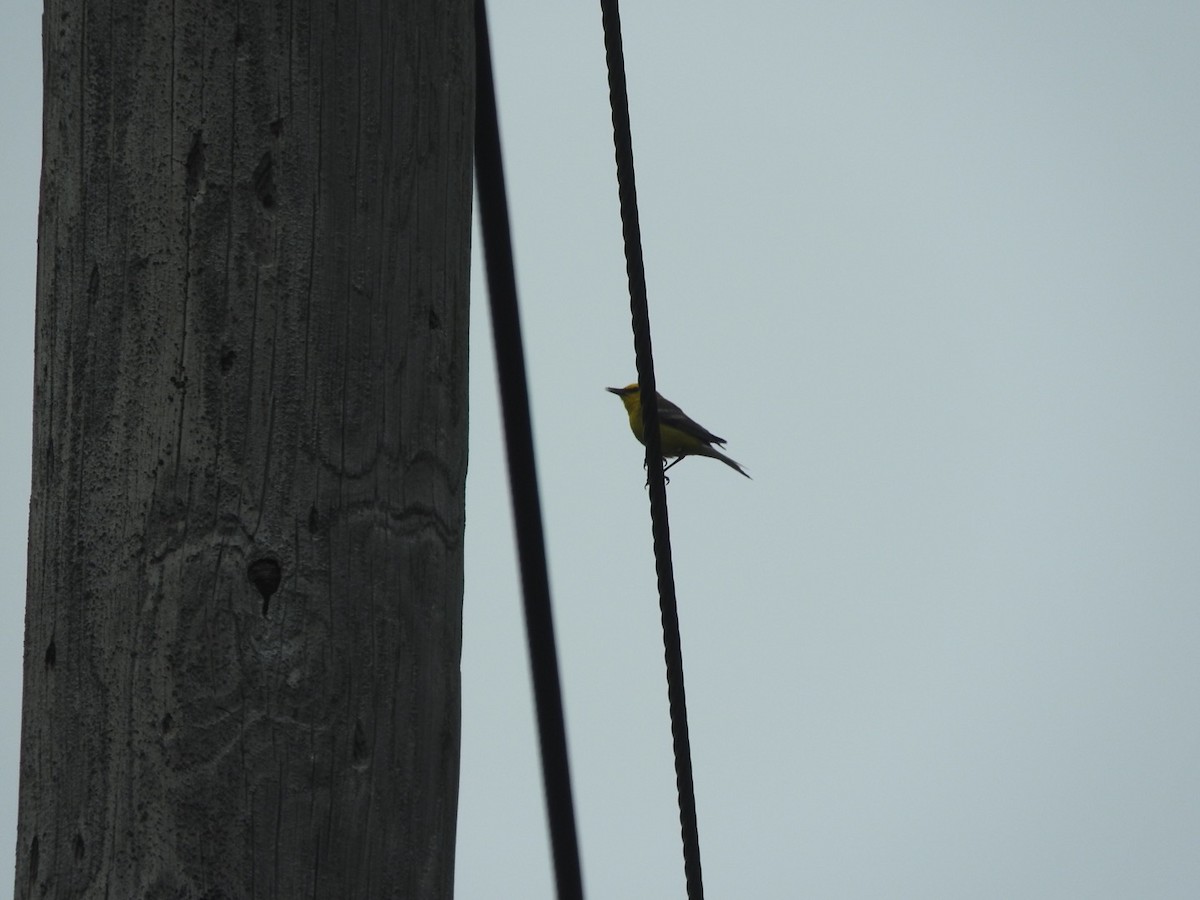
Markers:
(934, 271)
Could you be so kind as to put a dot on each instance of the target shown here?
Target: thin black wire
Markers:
(639, 309)
(518, 434)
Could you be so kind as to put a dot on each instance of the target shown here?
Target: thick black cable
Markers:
(660, 527)
(518, 435)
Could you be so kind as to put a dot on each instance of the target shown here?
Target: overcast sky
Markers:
(933, 269)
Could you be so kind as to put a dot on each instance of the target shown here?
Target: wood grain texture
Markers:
(245, 559)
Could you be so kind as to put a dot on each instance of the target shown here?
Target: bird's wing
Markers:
(670, 414)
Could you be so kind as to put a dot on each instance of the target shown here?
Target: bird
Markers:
(680, 435)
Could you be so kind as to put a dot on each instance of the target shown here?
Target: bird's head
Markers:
(630, 395)
(625, 391)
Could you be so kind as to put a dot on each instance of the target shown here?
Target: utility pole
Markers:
(246, 529)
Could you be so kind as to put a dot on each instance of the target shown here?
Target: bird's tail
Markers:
(707, 450)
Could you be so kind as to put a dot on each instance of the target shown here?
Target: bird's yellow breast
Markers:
(674, 442)
(633, 406)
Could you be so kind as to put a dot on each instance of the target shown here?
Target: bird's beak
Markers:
(617, 391)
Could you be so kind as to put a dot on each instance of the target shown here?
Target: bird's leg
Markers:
(673, 462)
(666, 480)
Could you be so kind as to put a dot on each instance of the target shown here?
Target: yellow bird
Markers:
(680, 435)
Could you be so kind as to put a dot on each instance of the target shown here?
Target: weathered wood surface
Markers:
(251, 367)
